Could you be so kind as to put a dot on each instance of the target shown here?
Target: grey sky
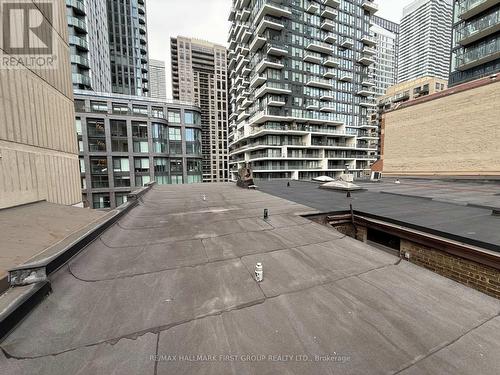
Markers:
(207, 19)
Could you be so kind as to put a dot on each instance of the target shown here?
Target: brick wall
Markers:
(475, 275)
(453, 135)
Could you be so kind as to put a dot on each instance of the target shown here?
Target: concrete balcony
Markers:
(245, 51)
(240, 65)
(269, 23)
(246, 35)
(329, 74)
(257, 43)
(312, 106)
(312, 8)
(329, 13)
(320, 47)
(246, 103)
(331, 62)
(276, 49)
(245, 15)
(329, 38)
(470, 8)
(327, 25)
(272, 88)
(313, 57)
(273, 8)
(331, 3)
(327, 97)
(369, 40)
(328, 107)
(367, 104)
(369, 51)
(366, 60)
(246, 70)
(346, 77)
(364, 92)
(347, 43)
(479, 55)
(370, 6)
(257, 80)
(243, 115)
(367, 82)
(276, 101)
(319, 83)
(268, 63)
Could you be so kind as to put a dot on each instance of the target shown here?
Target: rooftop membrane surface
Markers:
(170, 289)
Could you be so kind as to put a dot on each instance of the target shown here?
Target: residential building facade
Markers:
(450, 133)
(157, 81)
(126, 142)
(38, 154)
(89, 44)
(128, 47)
(199, 75)
(476, 40)
(385, 69)
(425, 40)
(300, 90)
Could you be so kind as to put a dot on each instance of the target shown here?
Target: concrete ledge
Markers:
(18, 301)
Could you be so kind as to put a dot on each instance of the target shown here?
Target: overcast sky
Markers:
(207, 19)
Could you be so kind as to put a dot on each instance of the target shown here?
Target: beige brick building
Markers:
(38, 148)
(452, 133)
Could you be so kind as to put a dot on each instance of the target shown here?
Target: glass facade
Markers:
(124, 150)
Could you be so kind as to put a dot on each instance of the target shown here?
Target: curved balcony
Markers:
(80, 79)
(78, 24)
(82, 62)
(78, 6)
(78, 42)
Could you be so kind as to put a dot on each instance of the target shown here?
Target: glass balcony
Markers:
(469, 8)
(479, 28)
(483, 53)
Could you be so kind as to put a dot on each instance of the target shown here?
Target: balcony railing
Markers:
(469, 8)
(475, 56)
(479, 28)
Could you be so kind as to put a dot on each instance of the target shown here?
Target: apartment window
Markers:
(162, 180)
(101, 201)
(141, 165)
(157, 112)
(193, 166)
(175, 180)
(174, 116)
(140, 146)
(174, 134)
(82, 166)
(101, 107)
(140, 110)
(95, 128)
(100, 181)
(99, 166)
(78, 125)
(120, 108)
(121, 198)
(142, 180)
(193, 179)
(79, 105)
(121, 165)
(122, 181)
(192, 118)
(161, 165)
(139, 130)
(176, 166)
(118, 128)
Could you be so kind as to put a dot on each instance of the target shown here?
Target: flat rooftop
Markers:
(169, 289)
(28, 230)
(461, 209)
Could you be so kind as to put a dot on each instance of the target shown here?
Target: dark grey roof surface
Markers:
(411, 202)
(169, 289)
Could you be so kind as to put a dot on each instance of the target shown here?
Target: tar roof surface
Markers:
(443, 206)
(175, 278)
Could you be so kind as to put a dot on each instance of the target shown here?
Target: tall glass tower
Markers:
(128, 47)
(300, 90)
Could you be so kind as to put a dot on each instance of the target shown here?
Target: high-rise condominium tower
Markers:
(199, 74)
(476, 40)
(157, 82)
(425, 39)
(128, 47)
(385, 69)
(300, 88)
(89, 44)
